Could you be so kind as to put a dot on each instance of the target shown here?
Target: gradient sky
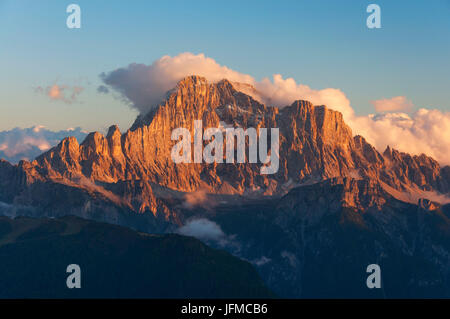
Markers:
(318, 43)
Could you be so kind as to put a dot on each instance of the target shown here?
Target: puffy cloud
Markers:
(426, 131)
(18, 143)
(282, 92)
(395, 104)
(55, 92)
(144, 86)
(208, 232)
(102, 89)
(202, 228)
(64, 93)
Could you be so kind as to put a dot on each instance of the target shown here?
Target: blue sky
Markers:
(318, 43)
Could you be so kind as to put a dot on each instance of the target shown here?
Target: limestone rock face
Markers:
(315, 144)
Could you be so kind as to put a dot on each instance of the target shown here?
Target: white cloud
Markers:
(18, 143)
(146, 85)
(426, 131)
(65, 93)
(282, 92)
(395, 104)
(203, 229)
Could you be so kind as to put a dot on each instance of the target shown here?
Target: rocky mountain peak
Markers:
(315, 144)
(113, 130)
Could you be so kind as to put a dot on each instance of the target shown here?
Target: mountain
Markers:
(27, 143)
(335, 205)
(343, 223)
(115, 262)
(315, 144)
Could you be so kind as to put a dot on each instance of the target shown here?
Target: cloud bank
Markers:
(426, 131)
(18, 143)
(144, 86)
(199, 198)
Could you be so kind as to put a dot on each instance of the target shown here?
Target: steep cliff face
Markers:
(338, 203)
(317, 240)
(346, 224)
(315, 144)
(422, 171)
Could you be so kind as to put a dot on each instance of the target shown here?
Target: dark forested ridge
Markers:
(115, 262)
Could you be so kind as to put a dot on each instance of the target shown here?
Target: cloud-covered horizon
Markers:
(27, 143)
(426, 131)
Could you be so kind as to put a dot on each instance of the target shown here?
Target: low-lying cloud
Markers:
(18, 144)
(426, 131)
(102, 89)
(202, 228)
(207, 231)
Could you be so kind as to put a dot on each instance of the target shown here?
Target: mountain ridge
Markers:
(315, 144)
(335, 202)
